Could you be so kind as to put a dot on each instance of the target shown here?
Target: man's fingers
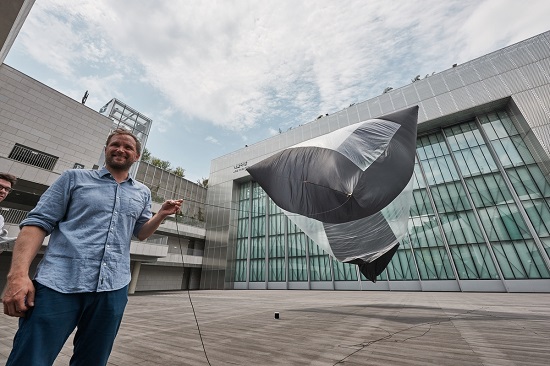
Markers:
(30, 299)
(17, 302)
(21, 306)
(11, 310)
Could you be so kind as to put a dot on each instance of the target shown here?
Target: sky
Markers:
(215, 76)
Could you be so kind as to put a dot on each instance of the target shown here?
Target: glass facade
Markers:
(480, 211)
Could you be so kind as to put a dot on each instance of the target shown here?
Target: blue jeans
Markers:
(44, 330)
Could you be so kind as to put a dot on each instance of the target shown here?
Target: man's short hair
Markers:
(9, 177)
(122, 131)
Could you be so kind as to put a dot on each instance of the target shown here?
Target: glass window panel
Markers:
(507, 123)
(277, 270)
(528, 254)
(433, 264)
(242, 243)
(297, 269)
(344, 271)
(257, 270)
(421, 152)
(474, 262)
(525, 156)
(546, 245)
(240, 271)
(320, 268)
(511, 253)
(540, 180)
(539, 215)
(528, 182)
(402, 267)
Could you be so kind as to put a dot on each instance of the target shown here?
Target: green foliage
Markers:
(203, 182)
(200, 215)
(146, 156)
(179, 171)
(163, 164)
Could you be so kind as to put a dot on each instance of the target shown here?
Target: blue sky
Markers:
(216, 76)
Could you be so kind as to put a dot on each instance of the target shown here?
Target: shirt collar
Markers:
(104, 172)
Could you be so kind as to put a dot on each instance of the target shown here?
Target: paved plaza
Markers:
(326, 328)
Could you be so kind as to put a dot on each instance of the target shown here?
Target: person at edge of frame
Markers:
(82, 280)
(7, 181)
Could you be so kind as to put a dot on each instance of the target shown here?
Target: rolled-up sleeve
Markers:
(52, 206)
(145, 214)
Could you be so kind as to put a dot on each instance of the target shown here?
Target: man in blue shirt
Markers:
(82, 280)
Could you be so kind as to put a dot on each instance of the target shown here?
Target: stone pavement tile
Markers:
(326, 328)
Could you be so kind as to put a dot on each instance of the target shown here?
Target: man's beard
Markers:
(111, 163)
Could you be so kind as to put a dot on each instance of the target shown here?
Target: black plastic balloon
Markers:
(350, 190)
(324, 184)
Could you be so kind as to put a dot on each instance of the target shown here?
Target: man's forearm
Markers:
(168, 208)
(27, 244)
(151, 226)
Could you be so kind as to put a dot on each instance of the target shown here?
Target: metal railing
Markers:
(187, 221)
(33, 157)
(157, 239)
(12, 215)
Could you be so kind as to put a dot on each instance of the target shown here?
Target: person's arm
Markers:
(18, 295)
(168, 208)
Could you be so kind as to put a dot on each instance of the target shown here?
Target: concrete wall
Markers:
(37, 116)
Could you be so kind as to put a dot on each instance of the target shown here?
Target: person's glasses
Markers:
(7, 189)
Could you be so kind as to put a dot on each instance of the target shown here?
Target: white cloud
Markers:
(273, 131)
(498, 23)
(243, 63)
(162, 120)
(212, 140)
(239, 71)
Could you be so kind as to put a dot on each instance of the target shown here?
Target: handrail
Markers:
(12, 215)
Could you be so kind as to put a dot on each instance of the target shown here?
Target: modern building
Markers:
(480, 220)
(184, 235)
(43, 133)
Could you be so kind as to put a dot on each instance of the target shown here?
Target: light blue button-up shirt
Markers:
(91, 219)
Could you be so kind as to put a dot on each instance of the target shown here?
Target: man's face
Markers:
(5, 186)
(121, 152)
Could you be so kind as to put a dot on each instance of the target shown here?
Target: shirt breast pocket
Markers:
(133, 207)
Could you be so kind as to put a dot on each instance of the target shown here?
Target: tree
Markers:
(146, 156)
(163, 164)
(179, 171)
(203, 182)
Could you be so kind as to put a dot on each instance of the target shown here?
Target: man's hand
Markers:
(18, 296)
(170, 207)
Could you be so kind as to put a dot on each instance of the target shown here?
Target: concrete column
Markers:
(135, 275)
